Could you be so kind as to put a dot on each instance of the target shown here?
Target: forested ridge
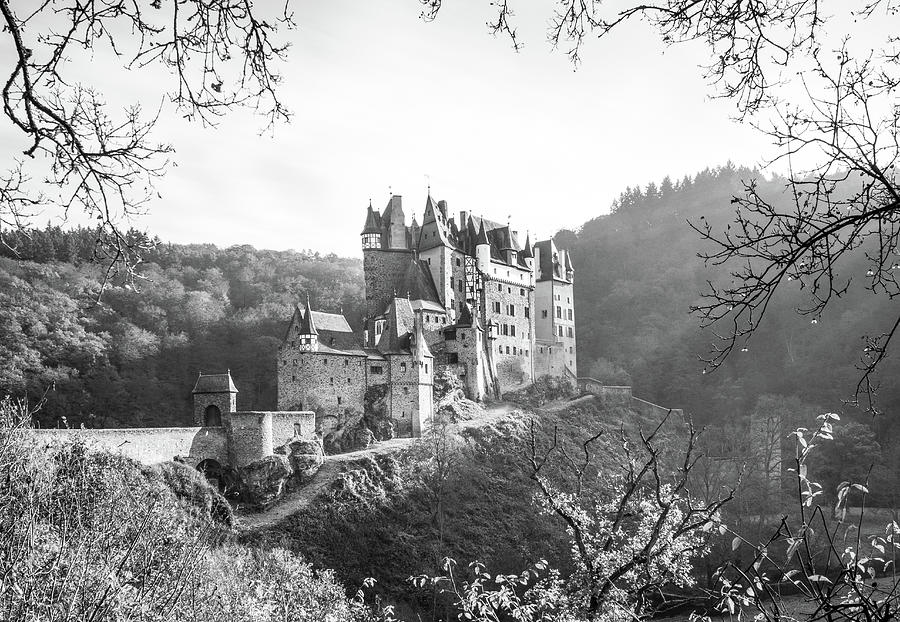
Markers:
(131, 358)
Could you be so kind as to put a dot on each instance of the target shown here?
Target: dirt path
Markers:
(334, 465)
(326, 475)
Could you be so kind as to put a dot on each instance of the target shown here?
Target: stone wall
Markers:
(512, 354)
(149, 445)
(249, 437)
(383, 269)
(555, 313)
(549, 359)
(332, 385)
(287, 425)
(225, 402)
(653, 410)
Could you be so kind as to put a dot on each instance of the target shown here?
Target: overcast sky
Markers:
(383, 101)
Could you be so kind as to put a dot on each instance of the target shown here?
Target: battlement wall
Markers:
(147, 445)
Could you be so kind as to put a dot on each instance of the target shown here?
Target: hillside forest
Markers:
(130, 357)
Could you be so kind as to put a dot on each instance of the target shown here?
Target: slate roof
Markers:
(373, 221)
(215, 383)
(340, 342)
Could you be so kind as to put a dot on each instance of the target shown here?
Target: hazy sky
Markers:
(382, 99)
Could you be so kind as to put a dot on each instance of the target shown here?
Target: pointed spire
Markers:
(527, 252)
(371, 225)
(482, 235)
(307, 325)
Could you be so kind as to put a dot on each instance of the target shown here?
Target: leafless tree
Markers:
(640, 538)
(221, 54)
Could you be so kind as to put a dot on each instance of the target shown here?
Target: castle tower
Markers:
(214, 395)
(528, 255)
(483, 250)
(371, 233)
(393, 223)
(423, 360)
(307, 333)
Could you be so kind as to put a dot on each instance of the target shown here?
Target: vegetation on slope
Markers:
(464, 492)
(93, 536)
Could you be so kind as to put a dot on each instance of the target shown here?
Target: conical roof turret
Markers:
(482, 236)
(527, 252)
(371, 225)
(307, 325)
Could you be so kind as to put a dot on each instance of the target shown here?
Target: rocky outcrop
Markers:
(451, 403)
(293, 464)
(352, 436)
(263, 481)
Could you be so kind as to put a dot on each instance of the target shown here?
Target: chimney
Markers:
(442, 205)
(463, 217)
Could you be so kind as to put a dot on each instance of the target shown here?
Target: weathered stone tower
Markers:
(214, 396)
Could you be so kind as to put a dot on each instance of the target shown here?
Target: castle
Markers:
(454, 296)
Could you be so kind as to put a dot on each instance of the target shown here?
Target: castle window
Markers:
(571, 331)
(505, 330)
(426, 368)
(443, 320)
(405, 390)
(346, 362)
(569, 300)
(457, 262)
(376, 369)
(527, 312)
(450, 335)
(571, 351)
(340, 400)
(569, 312)
(402, 368)
(521, 290)
(512, 310)
(514, 349)
(293, 343)
(541, 350)
(507, 274)
(512, 330)
(559, 331)
(499, 287)
(509, 290)
(332, 380)
(496, 305)
(544, 313)
(526, 353)
(379, 327)
(324, 361)
(348, 381)
(558, 311)
(507, 349)
(452, 358)
(549, 350)
(429, 259)
(501, 349)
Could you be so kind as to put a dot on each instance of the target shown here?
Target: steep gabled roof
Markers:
(431, 223)
(417, 282)
(482, 237)
(400, 324)
(340, 342)
(215, 383)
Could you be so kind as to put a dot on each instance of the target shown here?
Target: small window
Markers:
(340, 400)
(376, 369)
(294, 378)
(459, 284)
(348, 381)
(526, 353)
(443, 320)
(514, 350)
(457, 262)
(541, 350)
(331, 379)
(324, 361)
(558, 311)
(405, 390)
(507, 349)
(450, 335)
(568, 299)
(426, 368)
(402, 368)
(346, 362)
(559, 331)
(544, 313)
(512, 330)
(527, 312)
(522, 291)
(500, 288)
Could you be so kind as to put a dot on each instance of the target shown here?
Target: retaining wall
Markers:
(148, 445)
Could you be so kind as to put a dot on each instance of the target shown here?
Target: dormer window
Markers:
(379, 327)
